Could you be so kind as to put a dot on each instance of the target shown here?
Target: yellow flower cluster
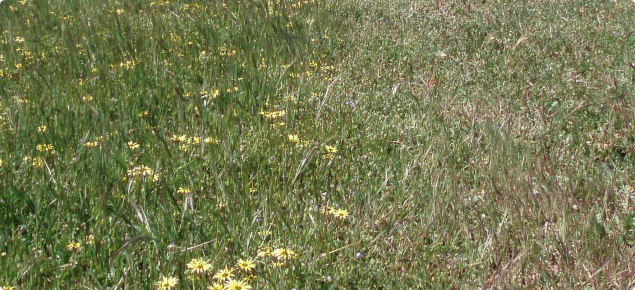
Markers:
(213, 94)
(36, 162)
(74, 246)
(184, 190)
(167, 282)
(142, 171)
(294, 139)
(273, 114)
(338, 213)
(132, 145)
(184, 142)
(91, 144)
(224, 278)
(199, 266)
(208, 94)
(281, 255)
(330, 151)
(45, 148)
(223, 51)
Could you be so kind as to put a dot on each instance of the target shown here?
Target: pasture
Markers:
(317, 144)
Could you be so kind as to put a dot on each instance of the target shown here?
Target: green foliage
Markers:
(335, 144)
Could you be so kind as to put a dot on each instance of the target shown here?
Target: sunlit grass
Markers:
(316, 145)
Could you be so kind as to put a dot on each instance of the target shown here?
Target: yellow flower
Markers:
(91, 144)
(141, 170)
(210, 140)
(246, 265)
(224, 274)
(41, 129)
(179, 139)
(184, 147)
(273, 114)
(330, 149)
(328, 210)
(236, 285)
(265, 252)
(199, 266)
(45, 147)
(132, 145)
(293, 138)
(167, 282)
(283, 254)
(183, 190)
(7, 288)
(73, 246)
(145, 170)
(35, 161)
(341, 213)
(215, 286)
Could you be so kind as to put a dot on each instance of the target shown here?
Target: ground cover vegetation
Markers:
(316, 144)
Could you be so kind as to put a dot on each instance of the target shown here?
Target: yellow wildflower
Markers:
(224, 274)
(328, 210)
(265, 252)
(184, 190)
(330, 149)
(179, 139)
(199, 266)
(132, 145)
(283, 254)
(341, 213)
(167, 283)
(72, 246)
(215, 286)
(236, 285)
(246, 265)
(293, 138)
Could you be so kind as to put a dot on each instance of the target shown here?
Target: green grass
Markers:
(465, 145)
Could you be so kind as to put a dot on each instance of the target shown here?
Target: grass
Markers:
(333, 144)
